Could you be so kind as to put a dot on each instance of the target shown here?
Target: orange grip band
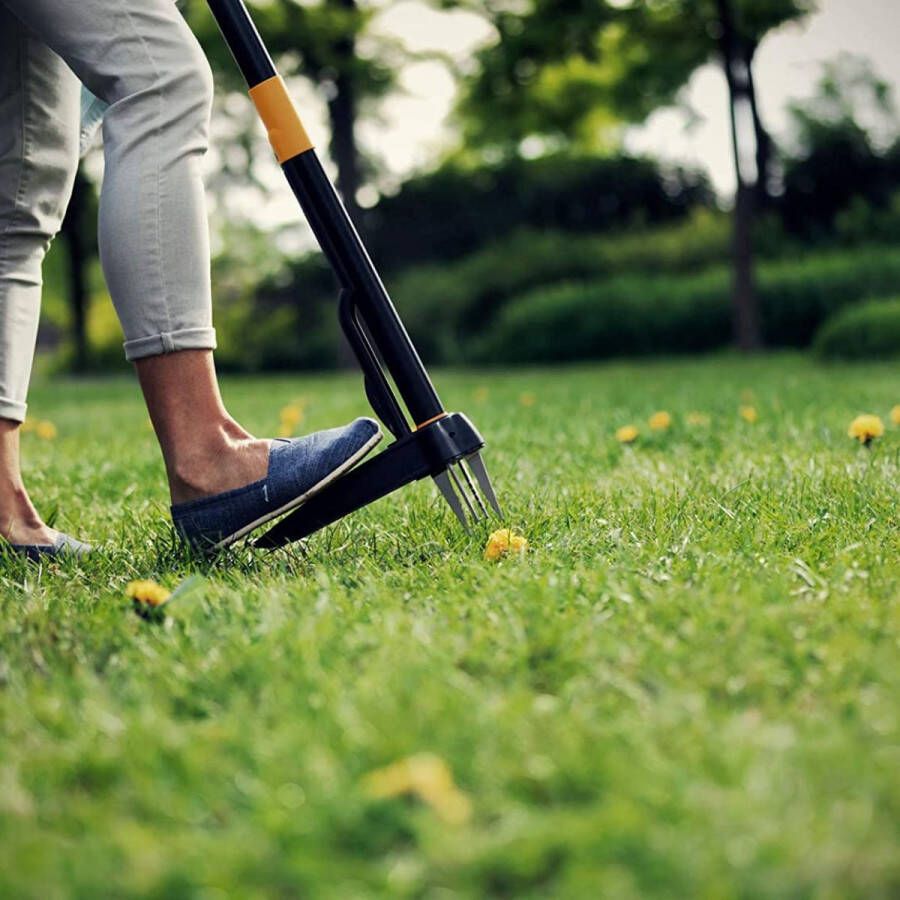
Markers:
(287, 135)
(429, 421)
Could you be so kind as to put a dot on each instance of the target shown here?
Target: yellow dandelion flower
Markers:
(895, 414)
(480, 394)
(697, 419)
(527, 399)
(660, 421)
(291, 415)
(45, 430)
(503, 542)
(147, 593)
(426, 777)
(748, 413)
(866, 428)
(627, 434)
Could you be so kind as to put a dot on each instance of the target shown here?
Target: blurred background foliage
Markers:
(536, 237)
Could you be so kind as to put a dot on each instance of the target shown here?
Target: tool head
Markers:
(458, 469)
(462, 493)
(447, 449)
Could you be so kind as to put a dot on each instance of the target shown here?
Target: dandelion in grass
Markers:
(697, 419)
(45, 430)
(504, 542)
(895, 414)
(865, 429)
(426, 777)
(291, 416)
(627, 434)
(527, 399)
(148, 598)
(748, 413)
(660, 421)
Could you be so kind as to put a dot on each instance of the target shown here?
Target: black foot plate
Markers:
(428, 451)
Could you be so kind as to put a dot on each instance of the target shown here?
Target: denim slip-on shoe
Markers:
(298, 469)
(64, 545)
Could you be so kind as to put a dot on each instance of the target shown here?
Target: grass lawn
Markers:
(688, 687)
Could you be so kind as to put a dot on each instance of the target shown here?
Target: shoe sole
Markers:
(348, 464)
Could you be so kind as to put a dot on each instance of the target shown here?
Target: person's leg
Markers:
(38, 156)
(20, 522)
(204, 449)
(140, 57)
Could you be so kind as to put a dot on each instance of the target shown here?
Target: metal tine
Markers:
(476, 464)
(442, 480)
(473, 490)
(462, 492)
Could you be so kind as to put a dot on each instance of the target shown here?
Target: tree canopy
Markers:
(572, 71)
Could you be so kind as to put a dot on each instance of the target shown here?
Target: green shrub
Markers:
(634, 315)
(456, 210)
(280, 338)
(624, 316)
(443, 305)
(270, 316)
(861, 222)
(868, 331)
(797, 296)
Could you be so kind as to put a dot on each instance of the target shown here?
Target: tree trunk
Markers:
(764, 143)
(343, 147)
(342, 113)
(77, 257)
(744, 300)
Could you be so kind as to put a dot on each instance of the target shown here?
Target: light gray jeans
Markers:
(141, 59)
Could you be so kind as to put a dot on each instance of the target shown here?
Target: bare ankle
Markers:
(221, 466)
(14, 501)
(235, 430)
(20, 522)
(192, 464)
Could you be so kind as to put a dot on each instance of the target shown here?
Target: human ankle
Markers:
(20, 522)
(14, 500)
(193, 460)
(207, 469)
(235, 430)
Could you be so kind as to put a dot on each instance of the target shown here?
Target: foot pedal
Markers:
(432, 450)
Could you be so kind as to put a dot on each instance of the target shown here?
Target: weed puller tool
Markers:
(428, 440)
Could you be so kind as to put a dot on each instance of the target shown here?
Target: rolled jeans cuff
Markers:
(169, 342)
(12, 409)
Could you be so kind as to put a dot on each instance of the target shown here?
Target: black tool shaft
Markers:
(243, 40)
(334, 229)
(341, 243)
